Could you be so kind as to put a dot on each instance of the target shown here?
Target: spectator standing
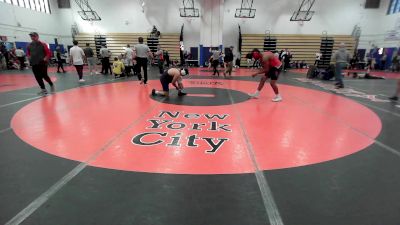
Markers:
(160, 59)
(21, 57)
(228, 61)
(59, 60)
(256, 57)
(383, 60)
(286, 60)
(216, 53)
(77, 58)
(128, 55)
(105, 60)
(91, 60)
(39, 55)
(341, 59)
(396, 63)
(249, 57)
(142, 51)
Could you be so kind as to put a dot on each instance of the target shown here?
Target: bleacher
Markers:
(116, 42)
(303, 47)
(170, 42)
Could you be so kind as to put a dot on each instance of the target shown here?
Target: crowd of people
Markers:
(12, 59)
(227, 59)
(133, 60)
(137, 57)
(380, 63)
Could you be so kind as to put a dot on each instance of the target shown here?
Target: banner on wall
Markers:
(392, 35)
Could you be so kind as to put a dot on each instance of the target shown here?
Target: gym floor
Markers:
(106, 152)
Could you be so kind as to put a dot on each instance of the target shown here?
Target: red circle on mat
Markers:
(118, 126)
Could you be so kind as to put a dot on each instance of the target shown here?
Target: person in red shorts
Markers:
(271, 68)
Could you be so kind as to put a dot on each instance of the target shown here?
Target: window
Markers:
(37, 5)
(394, 7)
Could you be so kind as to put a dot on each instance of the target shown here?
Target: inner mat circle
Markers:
(118, 126)
(204, 96)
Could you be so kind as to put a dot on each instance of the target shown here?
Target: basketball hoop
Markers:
(302, 16)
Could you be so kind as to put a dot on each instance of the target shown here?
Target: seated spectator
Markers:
(155, 32)
(118, 67)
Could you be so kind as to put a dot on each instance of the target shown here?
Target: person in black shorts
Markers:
(271, 67)
(171, 76)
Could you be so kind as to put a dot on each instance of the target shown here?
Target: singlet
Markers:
(273, 60)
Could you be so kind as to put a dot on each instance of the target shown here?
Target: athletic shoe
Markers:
(52, 88)
(81, 80)
(141, 81)
(181, 93)
(42, 92)
(339, 86)
(394, 98)
(255, 95)
(277, 98)
(153, 92)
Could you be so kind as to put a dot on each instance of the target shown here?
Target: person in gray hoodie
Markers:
(341, 59)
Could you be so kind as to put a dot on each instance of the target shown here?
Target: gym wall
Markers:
(121, 16)
(127, 16)
(17, 22)
(336, 17)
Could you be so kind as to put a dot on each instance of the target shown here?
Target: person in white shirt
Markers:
(318, 56)
(105, 60)
(20, 54)
(77, 58)
(128, 59)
